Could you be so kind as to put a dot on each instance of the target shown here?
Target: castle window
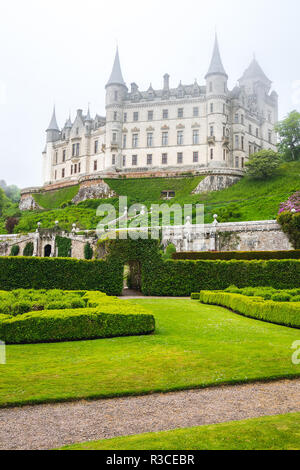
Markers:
(79, 167)
(55, 174)
(242, 119)
(113, 159)
(63, 173)
(149, 139)
(135, 139)
(224, 131)
(180, 138)
(257, 132)
(115, 116)
(125, 117)
(180, 158)
(195, 112)
(195, 157)
(134, 160)
(124, 160)
(149, 159)
(164, 159)
(71, 169)
(211, 108)
(96, 143)
(75, 150)
(195, 137)
(116, 96)
(270, 137)
(124, 141)
(64, 156)
(243, 162)
(150, 115)
(95, 165)
(75, 168)
(64, 136)
(250, 129)
(77, 130)
(211, 154)
(237, 141)
(236, 118)
(242, 142)
(180, 112)
(114, 137)
(165, 114)
(212, 131)
(270, 117)
(56, 158)
(135, 116)
(210, 87)
(250, 149)
(237, 162)
(165, 138)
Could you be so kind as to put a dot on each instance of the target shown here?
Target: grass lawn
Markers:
(53, 199)
(194, 346)
(269, 433)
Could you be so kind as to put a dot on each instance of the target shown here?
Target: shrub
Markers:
(10, 224)
(88, 251)
(238, 255)
(281, 297)
(15, 250)
(18, 308)
(263, 164)
(296, 298)
(287, 314)
(63, 246)
(28, 250)
(73, 325)
(195, 296)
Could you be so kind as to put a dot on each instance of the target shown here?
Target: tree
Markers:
(10, 224)
(289, 136)
(263, 164)
(2, 201)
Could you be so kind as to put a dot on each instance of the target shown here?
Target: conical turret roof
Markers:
(216, 66)
(254, 71)
(116, 77)
(53, 123)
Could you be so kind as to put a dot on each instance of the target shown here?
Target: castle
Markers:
(173, 131)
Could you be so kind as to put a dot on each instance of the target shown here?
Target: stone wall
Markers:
(93, 188)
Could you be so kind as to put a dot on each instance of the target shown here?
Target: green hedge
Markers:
(238, 255)
(287, 314)
(61, 273)
(181, 278)
(72, 325)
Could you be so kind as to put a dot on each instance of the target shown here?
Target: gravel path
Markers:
(51, 426)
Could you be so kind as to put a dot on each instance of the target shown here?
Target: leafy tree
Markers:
(12, 192)
(289, 136)
(10, 224)
(263, 164)
(2, 201)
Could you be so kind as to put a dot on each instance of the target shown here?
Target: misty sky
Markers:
(62, 51)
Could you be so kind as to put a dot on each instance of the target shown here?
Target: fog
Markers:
(62, 52)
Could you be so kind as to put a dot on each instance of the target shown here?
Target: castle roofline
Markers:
(216, 66)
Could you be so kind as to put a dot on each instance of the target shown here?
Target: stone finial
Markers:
(215, 222)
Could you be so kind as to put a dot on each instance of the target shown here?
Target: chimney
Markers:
(134, 88)
(166, 82)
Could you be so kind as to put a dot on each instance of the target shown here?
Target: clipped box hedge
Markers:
(287, 314)
(73, 325)
(61, 273)
(180, 278)
(238, 255)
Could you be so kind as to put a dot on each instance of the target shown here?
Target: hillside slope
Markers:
(245, 201)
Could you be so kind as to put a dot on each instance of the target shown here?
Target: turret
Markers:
(53, 132)
(254, 79)
(216, 77)
(116, 88)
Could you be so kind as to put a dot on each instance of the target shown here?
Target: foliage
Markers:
(88, 251)
(263, 164)
(292, 204)
(15, 250)
(289, 136)
(238, 255)
(2, 201)
(267, 433)
(290, 224)
(28, 250)
(10, 224)
(195, 346)
(61, 273)
(169, 252)
(54, 199)
(12, 192)
(109, 318)
(228, 213)
(64, 246)
(287, 314)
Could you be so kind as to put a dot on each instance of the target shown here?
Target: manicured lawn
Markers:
(270, 433)
(194, 346)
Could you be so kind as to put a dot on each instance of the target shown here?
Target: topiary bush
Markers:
(281, 297)
(15, 250)
(88, 251)
(28, 250)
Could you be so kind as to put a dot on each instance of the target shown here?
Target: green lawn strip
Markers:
(194, 346)
(53, 199)
(268, 433)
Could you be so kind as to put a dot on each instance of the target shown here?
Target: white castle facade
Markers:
(183, 129)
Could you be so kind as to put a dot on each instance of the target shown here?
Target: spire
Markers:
(68, 124)
(216, 67)
(254, 71)
(88, 116)
(53, 123)
(116, 77)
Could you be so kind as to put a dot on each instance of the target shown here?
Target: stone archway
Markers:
(132, 278)
(47, 251)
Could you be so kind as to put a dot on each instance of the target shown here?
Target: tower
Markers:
(217, 113)
(116, 91)
(52, 136)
